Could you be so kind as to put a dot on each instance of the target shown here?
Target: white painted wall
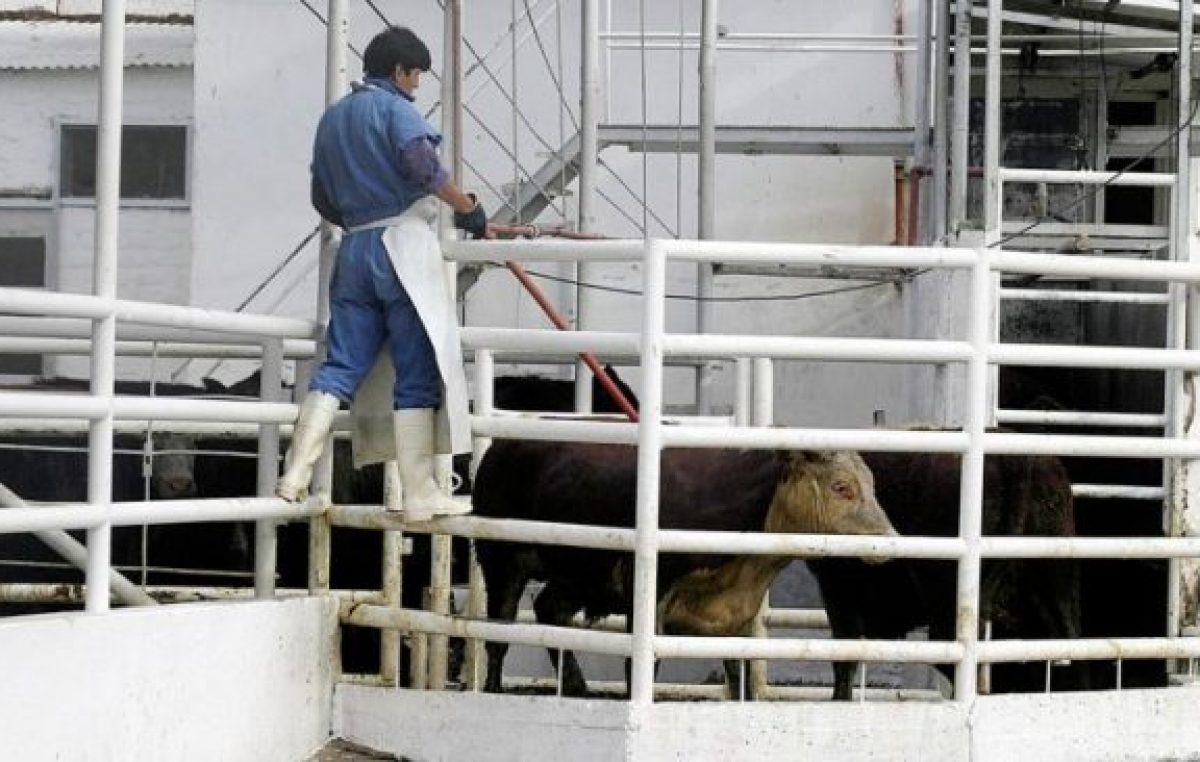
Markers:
(243, 681)
(259, 92)
(259, 97)
(155, 238)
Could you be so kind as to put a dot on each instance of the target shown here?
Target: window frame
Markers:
(125, 203)
(32, 219)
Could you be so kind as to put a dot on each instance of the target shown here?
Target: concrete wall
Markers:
(242, 681)
(445, 726)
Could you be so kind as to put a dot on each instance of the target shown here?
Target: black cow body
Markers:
(726, 490)
(1023, 495)
(43, 468)
(554, 395)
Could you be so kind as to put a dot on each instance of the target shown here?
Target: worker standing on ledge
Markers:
(376, 174)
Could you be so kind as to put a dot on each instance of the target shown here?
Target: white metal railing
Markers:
(42, 411)
(646, 540)
(978, 353)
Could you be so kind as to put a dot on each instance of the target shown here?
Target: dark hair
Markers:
(395, 46)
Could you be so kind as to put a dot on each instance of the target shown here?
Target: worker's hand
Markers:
(474, 222)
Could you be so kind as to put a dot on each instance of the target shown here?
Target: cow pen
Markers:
(646, 541)
(259, 679)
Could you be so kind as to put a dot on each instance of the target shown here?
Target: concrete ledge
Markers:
(227, 681)
(1126, 725)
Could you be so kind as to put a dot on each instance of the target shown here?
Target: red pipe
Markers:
(561, 323)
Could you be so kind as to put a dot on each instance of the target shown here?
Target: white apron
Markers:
(412, 245)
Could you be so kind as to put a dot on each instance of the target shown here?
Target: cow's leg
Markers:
(845, 623)
(505, 581)
(554, 607)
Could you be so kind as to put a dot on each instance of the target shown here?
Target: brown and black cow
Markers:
(726, 490)
(1028, 598)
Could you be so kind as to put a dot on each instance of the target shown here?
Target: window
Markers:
(23, 264)
(153, 162)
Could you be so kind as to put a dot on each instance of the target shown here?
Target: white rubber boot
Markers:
(423, 499)
(308, 441)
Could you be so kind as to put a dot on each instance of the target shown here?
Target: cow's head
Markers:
(173, 475)
(827, 493)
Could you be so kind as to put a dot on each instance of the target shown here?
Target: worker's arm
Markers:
(420, 163)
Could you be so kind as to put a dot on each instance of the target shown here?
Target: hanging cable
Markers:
(747, 298)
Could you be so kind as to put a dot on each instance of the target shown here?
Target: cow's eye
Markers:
(843, 489)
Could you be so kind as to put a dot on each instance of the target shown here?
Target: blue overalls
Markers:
(356, 164)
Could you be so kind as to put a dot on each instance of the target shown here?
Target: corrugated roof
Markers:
(76, 45)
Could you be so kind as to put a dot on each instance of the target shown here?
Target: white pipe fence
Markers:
(973, 443)
(646, 540)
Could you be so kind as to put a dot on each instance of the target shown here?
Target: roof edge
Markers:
(38, 14)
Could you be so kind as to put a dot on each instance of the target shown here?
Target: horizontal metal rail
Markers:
(70, 405)
(905, 651)
(544, 250)
(85, 516)
(995, 651)
(501, 340)
(66, 427)
(1111, 491)
(1087, 177)
(1081, 418)
(1064, 295)
(872, 440)
(814, 348)
(545, 636)
(1109, 268)
(1125, 358)
(78, 328)
(68, 347)
(556, 430)
(37, 302)
(510, 530)
(768, 543)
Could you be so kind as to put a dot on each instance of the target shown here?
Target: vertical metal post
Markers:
(764, 392)
(649, 465)
(960, 142)
(706, 169)
(485, 372)
(940, 126)
(320, 531)
(762, 415)
(921, 145)
(1188, 321)
(966, 673)
(104, 285)
(589, 148)
(992, 199)
(265, 547)
(336, 78)
(440, 545)
(439, 600)
(743, 390)
(1100, 142)
(392, 581)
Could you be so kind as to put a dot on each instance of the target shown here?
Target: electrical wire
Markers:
(747, 298)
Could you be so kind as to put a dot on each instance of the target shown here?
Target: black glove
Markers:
(473, 222)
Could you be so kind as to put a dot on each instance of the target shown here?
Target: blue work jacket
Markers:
(357, 168)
